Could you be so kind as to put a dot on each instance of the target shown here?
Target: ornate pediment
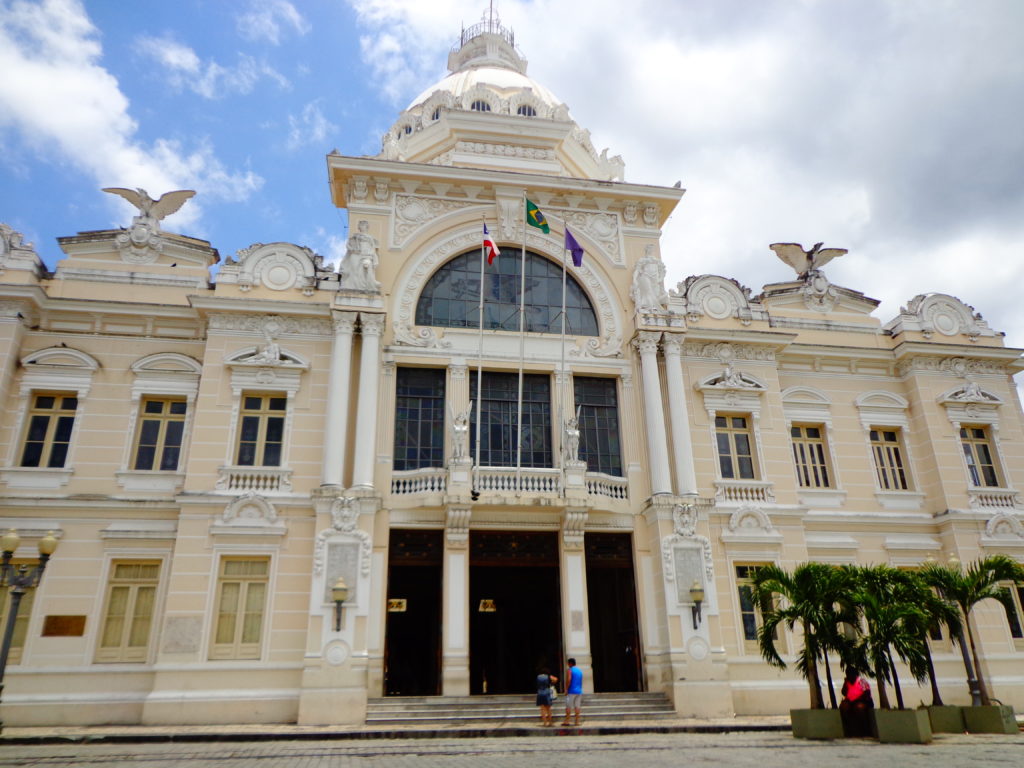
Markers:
(277, 266)
(931, 313)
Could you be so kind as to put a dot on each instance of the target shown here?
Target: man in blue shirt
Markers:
(573, 692)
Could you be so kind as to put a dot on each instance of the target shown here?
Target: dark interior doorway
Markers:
(412, 648)
(614, 631)
(515, 610)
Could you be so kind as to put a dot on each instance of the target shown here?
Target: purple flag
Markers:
(574, 247)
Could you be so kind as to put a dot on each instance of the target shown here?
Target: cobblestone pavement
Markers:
(722, 750)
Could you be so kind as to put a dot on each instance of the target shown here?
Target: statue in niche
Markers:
(571, 448)
(359, 267)
(971, 391)
(648, 289)
(733, 378)
(460, 434)
(269, 353)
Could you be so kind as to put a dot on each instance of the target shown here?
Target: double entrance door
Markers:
(515, 612)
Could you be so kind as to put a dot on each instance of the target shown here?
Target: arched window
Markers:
(480, 106)
(436, 114)
(408, 130)
(526, 110)
(451, 297)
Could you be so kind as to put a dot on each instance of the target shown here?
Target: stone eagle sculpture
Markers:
(149, 209)
(805, 262)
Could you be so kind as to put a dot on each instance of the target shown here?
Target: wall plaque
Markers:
(63, 626)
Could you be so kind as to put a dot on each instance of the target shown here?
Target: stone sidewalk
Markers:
(129, 734)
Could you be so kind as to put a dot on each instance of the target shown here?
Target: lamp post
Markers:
(339, 594)
(697, 597)
(20, 580)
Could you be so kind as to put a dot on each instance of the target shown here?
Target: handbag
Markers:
(553, 692)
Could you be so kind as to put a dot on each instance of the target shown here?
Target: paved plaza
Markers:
(763, 750)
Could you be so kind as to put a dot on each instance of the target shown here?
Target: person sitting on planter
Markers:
(856, 706)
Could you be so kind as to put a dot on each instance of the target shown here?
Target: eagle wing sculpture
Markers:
(157, 210)
(804, 261)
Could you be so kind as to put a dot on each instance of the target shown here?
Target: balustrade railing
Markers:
(419, 481)
(600, 484)
(255, 479)
(1000, 498)
(744, 491)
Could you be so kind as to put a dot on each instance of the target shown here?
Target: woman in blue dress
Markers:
(545, 681)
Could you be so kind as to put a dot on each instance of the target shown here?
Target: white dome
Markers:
(505, 81)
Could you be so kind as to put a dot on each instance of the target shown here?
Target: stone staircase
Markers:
(473, 710)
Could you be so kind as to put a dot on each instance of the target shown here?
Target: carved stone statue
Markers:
(571, 446)
(732, 378)
(460, 435)
(971, 391)
(806, 263)
(269, 353)
(359, 267)
(648, 289)
(153, 211)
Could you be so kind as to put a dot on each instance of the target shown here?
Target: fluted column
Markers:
(371, 327)
(682, 444)
(337, 399)
(646, 343)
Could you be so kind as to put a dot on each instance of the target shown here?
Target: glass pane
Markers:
(114, 624)
(179, 407)
(37, 427)
(153, 406)
(229, 596)
(175, 429)
(58, 454)
(139, 636)
(63, 432)
(169, 459)
(45, 401)
(144, 457)
(251, 403)
(250, 428)
(278, 403)
(149, 432)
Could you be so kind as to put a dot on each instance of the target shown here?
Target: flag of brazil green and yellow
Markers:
(535, 218)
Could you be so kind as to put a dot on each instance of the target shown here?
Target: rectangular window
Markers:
(22, 619)
(158, 439)
(498, 420)
(809, 456)
(888, 454)
(240, 604)
(261, 431)
(735, 455)
(128, 617)
(979, 455)
(598, 407)
(419, 418)
(1014, 608)
(48, 434)
(750, 613)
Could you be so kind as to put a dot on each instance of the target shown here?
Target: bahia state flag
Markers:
(490, 247)
(535, 218)
(574, 248)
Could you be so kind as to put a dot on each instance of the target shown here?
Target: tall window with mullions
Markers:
(419, 418)
(598, 406)
(498, 420)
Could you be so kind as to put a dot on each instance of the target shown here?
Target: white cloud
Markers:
(61, 102)
(185, 70)
(265, 18)
(309, 127)
(889, 127)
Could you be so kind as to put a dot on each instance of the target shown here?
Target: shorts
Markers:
(573, 700)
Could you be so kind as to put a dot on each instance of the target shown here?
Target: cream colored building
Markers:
(215, 451)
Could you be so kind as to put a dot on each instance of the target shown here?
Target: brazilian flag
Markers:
(535, 218)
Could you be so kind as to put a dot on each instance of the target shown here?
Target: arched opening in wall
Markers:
(451, 297)
(515, 627)
(412, 646)
(611, 603)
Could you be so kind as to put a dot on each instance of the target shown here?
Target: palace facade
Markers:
(214, 452)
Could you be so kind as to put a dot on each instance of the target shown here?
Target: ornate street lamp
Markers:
(20, 580)
(339, 594)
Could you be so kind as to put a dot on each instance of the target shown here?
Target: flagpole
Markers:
(480, 364)
(522, 355)
(562, 373)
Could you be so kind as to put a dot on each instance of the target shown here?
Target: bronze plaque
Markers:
(63, 626)
(396, 605)
(487, 606)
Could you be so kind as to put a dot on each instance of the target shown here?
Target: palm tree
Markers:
(981, 581)
(812, 597)
(888, 601)
(938, 612)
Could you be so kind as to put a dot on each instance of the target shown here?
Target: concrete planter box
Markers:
(816, 723)
(903, 726)
(946, 719)
(997, 718)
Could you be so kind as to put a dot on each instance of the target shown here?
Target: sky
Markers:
(892, 128)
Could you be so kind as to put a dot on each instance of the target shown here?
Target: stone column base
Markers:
(702, 698)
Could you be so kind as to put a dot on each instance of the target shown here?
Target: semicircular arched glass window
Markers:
(480, 106)
(451, 297)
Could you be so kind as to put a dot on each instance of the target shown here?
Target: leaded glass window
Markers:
(498, 420)
(598, 406)
(419, 418)
(451, 298)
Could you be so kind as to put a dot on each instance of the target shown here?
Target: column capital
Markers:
(647, 342)
(344, 322)
(672, 344)
(371, 323)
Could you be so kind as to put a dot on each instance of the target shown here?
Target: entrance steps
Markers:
(470, 710)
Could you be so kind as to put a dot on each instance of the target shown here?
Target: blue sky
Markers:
(888, 127)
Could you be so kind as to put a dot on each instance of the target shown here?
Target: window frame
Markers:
(53, 416)
(731, 432)
(822, 465)
(436, 448)
(747, 646)
(263, 416)
(236, 650)
(1016, 592)
(123, 652)
(163, 421)
(969, 445)
(499, 417)
(884, 449)
(595, 423)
